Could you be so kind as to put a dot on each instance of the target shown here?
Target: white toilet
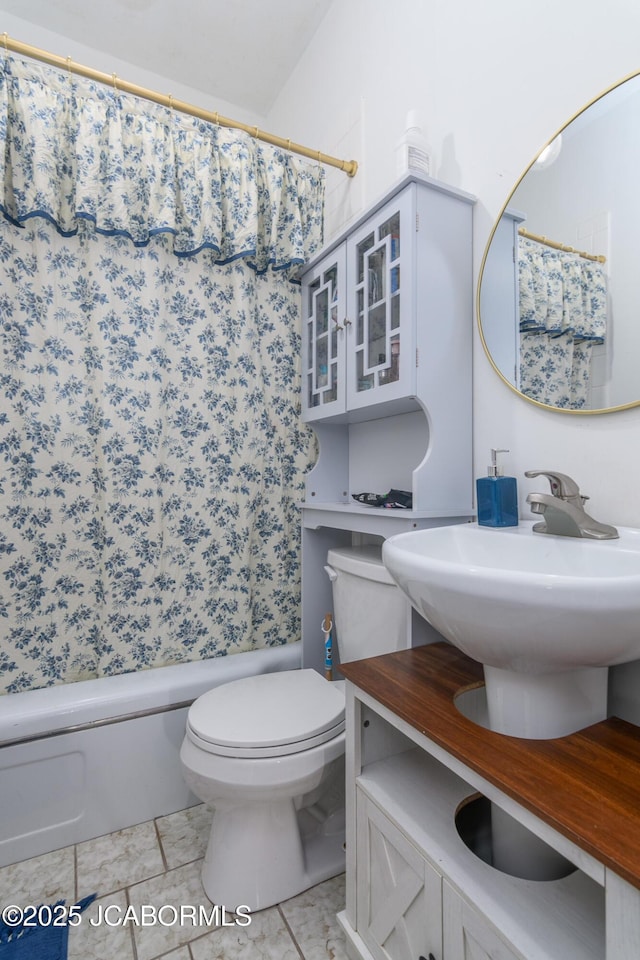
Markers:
(267, 752)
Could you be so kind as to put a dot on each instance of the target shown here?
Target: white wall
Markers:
(494, 82)
(27, 32)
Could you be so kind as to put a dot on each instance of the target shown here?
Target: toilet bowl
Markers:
(267, 753)
(260, 781)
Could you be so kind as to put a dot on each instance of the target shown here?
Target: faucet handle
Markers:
(562, 486)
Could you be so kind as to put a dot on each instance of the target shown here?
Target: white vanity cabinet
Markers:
(419, 879)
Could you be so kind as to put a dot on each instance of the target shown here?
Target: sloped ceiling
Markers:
(242, 51)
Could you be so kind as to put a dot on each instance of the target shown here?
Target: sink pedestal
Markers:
(538, 707)
(518, 852)
(544, 706)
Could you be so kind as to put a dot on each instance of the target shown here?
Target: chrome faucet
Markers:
(563, 509)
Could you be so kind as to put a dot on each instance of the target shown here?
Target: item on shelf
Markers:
(394, 500)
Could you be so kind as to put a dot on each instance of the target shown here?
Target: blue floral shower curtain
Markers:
(151, 451)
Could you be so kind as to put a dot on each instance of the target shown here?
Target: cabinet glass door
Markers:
(323, 339)
(380, 256)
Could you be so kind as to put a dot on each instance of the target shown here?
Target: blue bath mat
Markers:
(41, 942)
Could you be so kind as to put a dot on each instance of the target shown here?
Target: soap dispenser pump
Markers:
(497, 496)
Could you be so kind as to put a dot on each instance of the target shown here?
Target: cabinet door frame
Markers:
(398, 892)
(316, 301)
(467, 935)
(385, 297)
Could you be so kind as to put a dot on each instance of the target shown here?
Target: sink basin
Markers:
(545, 615)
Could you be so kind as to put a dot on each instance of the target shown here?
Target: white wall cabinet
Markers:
(387, 330)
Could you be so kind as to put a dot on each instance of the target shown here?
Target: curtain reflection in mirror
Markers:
(563, 314)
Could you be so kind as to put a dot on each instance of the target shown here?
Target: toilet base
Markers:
(263, 853)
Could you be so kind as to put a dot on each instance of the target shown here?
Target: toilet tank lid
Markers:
(268, 710)
(365, 561)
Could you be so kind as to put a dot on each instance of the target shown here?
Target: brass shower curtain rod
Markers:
(596, 257)
(166, 100)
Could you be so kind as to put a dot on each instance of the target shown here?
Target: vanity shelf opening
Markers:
(412, 800)
(486, 831)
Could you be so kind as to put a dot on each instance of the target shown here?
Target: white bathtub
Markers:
(84, 759)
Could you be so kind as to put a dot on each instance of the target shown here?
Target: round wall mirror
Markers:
(559, 288)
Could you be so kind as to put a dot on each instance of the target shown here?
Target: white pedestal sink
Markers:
(545, 615)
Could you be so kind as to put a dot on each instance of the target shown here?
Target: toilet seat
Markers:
(269, 715)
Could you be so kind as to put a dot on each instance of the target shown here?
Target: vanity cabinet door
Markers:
(381, 294)
(467, 935)
(323, 338)
(398, 894)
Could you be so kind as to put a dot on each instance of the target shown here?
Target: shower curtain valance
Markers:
(561, 293)
(77, 150)
(563, 315)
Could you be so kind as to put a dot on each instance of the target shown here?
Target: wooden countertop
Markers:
(585, 785)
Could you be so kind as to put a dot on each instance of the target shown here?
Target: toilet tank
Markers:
(371, 614)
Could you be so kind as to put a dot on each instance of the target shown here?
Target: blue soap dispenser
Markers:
(497, 496)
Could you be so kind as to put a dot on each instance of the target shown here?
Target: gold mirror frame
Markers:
(505, 207)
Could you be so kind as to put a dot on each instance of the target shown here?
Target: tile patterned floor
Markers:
(158, 863)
